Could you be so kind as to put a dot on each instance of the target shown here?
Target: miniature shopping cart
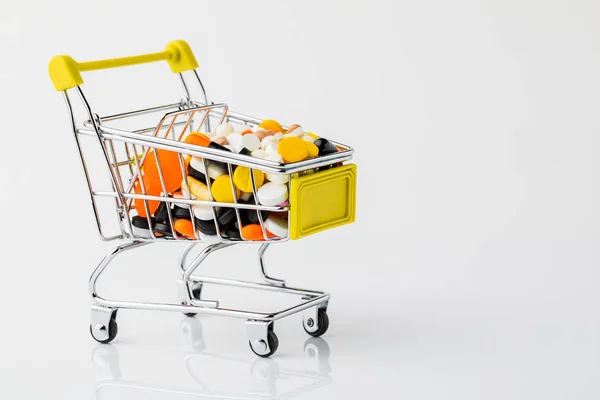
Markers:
(321, 194)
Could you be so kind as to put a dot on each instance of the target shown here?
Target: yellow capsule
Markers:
(197, 188)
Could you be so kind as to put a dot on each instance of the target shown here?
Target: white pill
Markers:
(296, 132)
(259, 154)
(274, 157)
(278, 135)
(250, 141)
(224, 129)
(215, 169)
(277, 226)
(140, 232)
(308, 138)
(235, 141)
(272, 148)
(209, 239)
(277, 178)
(272, 194)
(205, 213)
(183, 196)
(268, 140)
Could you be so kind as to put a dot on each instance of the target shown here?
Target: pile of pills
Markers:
(209, 180)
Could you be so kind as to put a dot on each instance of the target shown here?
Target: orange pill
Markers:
(271, 125)
(171, 171)
(292, 149)
(246, 131)
(184, 227)
(197, 138)
(254, 232)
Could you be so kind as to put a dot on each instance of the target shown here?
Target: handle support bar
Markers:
(65, 72)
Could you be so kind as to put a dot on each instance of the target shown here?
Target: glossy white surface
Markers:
(475, 121)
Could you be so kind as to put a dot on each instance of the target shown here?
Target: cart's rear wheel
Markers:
(196, 294)
(113, 329)
(273, 345)
(322, 322)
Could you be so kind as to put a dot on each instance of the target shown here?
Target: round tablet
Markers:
(270, 125)
(207, 227)
(313, 150)
(224, 129)
(141, 222)
(268, 140)
(251, 142)
(271, 194)
(251, 216)
(161, 213)
(163, 229)
(205, 213)
(235, 141)
(277, 178)
(181, 213)
(215, 169)
(292, 149)
(259, 154)
(277, 226)
(243, 181)
(274, 157)
(221, 189)
(227, 216)
(272, 148)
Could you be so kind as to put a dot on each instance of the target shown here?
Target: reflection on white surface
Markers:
(218, 376)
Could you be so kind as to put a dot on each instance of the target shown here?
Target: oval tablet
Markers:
(292, 149)
(272, 148)
(277, 226)
(272, 194)
(242, 180)
(234, 141)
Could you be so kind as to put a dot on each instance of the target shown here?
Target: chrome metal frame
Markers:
(125, 150)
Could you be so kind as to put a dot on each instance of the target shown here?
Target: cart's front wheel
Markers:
(259, 348)
(98, 331)
(322, 324)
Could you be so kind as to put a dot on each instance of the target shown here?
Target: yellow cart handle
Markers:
(65, 72)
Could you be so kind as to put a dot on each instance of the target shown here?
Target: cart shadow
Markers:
(264, 375)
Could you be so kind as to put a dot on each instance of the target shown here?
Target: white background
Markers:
(471, 272)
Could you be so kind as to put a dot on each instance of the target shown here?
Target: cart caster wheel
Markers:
(98, 334)
(259, 347)
(322, 324)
